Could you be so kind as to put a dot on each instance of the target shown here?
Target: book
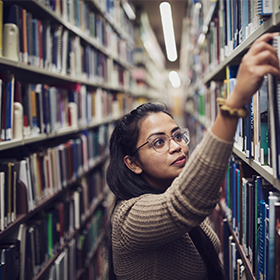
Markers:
(24, 176)
(49, 171)
(25, 97)
(61, 266)
(24, 36)
(273, 197)
(35, 177)
(35, 42)
(250, 221)
(244, 214)
(58, 54)
(233, 259)
(266, 240)
(48, 43)
(7, 128)
(22, 238)
(265, 7)
(35, 124)
(1, 105)
(39, 107)
(7, 192)
(3, 77)
(226, 234)
(274, 108)
(13, 246)
(1, 28)
(13, 176)
(77, 204)
(10, 255)
(262, 239)
(41, 173)
(277, 240)
(40, 44)
(64, 51)
(29, 37)
(264, 122)
(2, 200)
(46, 109)
(72, 259)
(256, 107)
(56, 169)
(40, 241)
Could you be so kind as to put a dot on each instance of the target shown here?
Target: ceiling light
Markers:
(128, 10)
(174, 79)
(168, 31)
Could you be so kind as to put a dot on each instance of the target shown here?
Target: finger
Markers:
(266, 57)
(266, 37)
(261, 46)
(262, 70)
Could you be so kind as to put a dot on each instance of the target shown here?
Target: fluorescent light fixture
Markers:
(168, 31)
(128, 10)
(174, 79)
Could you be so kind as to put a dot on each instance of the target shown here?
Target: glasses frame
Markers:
(184, 130)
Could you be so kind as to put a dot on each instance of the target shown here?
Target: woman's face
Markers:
(160, 169)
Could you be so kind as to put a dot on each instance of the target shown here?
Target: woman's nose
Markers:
(173, 145)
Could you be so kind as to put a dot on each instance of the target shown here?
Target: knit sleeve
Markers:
(150, 220)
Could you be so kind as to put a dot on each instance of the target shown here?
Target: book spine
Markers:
(271, 235)
(277, 240)
(262, 240)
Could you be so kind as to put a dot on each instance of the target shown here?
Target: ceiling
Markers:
(178, 12)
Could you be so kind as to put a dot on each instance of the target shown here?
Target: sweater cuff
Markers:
(216, 149)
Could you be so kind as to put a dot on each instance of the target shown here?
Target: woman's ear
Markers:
(132, 165)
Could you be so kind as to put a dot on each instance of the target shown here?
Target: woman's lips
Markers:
(179, 161)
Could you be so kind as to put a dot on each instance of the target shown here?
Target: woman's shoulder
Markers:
(125, 205)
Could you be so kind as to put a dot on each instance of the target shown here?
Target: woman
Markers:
(160, 228)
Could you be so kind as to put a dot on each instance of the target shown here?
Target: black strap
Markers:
(208, 253)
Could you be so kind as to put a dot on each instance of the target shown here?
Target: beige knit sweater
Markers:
(150, 233)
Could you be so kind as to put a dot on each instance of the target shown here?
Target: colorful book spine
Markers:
(265, 7)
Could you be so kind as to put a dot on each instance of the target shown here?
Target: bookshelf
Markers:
(210, 57)
(71, 84)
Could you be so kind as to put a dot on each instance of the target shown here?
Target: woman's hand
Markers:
(261, 59)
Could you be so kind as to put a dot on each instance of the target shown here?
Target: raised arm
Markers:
(261, 59)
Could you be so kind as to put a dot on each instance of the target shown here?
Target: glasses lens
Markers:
(160, 143)
(181, 137)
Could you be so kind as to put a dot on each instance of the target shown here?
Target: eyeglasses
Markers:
(161, 143)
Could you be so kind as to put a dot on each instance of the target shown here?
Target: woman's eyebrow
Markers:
(174, 129)
(156, 133)
(163, 133)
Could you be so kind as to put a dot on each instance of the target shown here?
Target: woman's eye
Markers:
(159, 142)
(178, 136)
